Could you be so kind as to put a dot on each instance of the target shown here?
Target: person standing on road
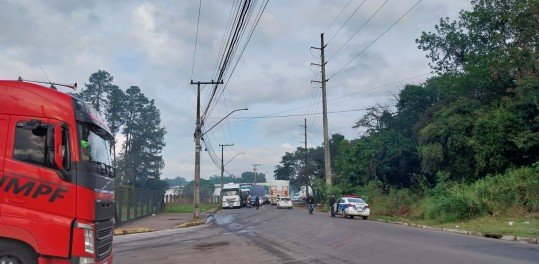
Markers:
(331, 203)
(310, 203)
(257, 202)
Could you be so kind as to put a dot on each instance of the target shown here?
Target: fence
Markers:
(133, 203)
(175, 199)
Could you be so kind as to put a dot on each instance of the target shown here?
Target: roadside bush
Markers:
(456, 203)
(398, 202)
(515, 192)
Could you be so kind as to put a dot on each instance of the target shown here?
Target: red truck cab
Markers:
(56, 178)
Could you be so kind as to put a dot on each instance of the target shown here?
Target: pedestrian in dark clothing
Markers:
(331, 203)
(310, 203)
(257, 202)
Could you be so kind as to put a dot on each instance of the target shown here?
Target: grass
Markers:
(521, 226)
(188, 208)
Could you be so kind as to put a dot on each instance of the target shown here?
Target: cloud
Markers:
(151, 44)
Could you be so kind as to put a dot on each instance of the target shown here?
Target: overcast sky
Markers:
(151, 44)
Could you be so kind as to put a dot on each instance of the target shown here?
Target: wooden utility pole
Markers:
(222, 164)
(305, 171)
(327, 160)
(198, 148)
(254, 170)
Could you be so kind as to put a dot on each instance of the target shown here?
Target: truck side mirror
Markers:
(62, 157)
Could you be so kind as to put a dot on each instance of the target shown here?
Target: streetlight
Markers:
(242, 109)
(223, 167)
(198, 148)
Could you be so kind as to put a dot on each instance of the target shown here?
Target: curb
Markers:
(128, 231)
(195, 223)
(530, 240)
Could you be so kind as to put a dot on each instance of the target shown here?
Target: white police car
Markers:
(284, 202)
(351, 206)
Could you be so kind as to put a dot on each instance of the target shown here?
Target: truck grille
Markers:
(104, 232)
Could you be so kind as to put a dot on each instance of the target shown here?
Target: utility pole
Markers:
(222, 164)
(327, 161)
(254, 170)
(307, 178)
(198, 148)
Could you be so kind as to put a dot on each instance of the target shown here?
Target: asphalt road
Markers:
(271, 235)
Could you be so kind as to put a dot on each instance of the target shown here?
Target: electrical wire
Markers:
(232, 44)
(340, 13)
(357, 31)
(345, 22)
(196, 39)
(344, 96)
(257, 19)
(376, 39)
(304, 114)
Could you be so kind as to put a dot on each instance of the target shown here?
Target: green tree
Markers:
(144, 139)
(178, 181)
(206, 190)
(249, 176)
(115, 113)
(494, 44)
(288, 168)
(100, 84)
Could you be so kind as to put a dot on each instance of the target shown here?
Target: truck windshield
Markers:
(230, 192)
(95, 148)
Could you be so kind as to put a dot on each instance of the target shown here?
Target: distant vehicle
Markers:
(303, 192)
(230, 196)
(278, 188)
(296, 198)
(257, 190)
(284, 202)
(245, 189)
(350, 206)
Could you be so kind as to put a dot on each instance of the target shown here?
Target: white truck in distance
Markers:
(278, 188)
(230, 196)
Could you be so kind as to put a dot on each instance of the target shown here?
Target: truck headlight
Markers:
(88, 237)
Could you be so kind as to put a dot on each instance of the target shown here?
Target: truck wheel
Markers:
(365, 217)
(15, 253)
(351, 217)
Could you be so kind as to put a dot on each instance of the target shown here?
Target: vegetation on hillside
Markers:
(463, 144)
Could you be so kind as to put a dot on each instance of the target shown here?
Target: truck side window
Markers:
(30, 145)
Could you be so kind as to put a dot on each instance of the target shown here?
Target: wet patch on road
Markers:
(212, 245)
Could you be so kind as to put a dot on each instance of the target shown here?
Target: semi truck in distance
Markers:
(278, 188)
(231, 196)
(56, 178)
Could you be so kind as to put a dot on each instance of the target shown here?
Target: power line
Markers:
(196, 39)
(340, 97)
(335, 19)
(357, 31)
(345, 22)
(383, 33)
(305, 114)
(257, 19)
(233, 40)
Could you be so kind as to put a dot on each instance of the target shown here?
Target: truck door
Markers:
(3, 139)
(36, 195)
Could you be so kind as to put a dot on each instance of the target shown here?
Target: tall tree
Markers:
(115, 113)
(144, 139)
(99, 85)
